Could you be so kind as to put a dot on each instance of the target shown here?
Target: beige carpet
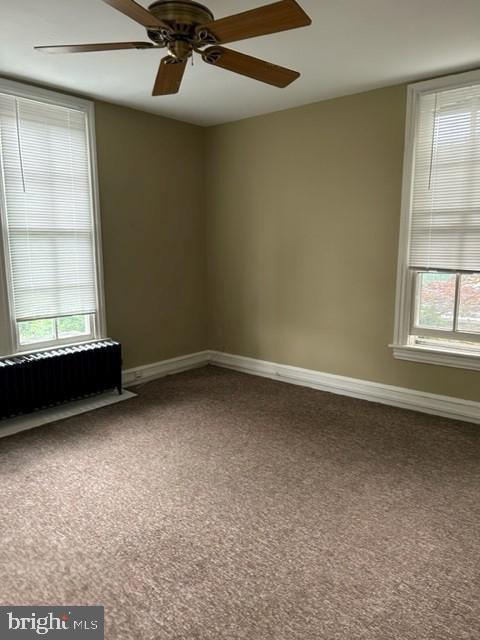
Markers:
(222, 506)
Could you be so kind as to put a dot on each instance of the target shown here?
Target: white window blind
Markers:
(48, 208)
(445, 207)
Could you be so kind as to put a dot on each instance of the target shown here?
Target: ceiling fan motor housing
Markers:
(182, 16)
(181, 11)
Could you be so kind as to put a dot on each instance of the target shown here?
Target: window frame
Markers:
(403, 344)
(60, 342)
(453, 334)
(9, 340)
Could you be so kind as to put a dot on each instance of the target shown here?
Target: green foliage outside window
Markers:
(45, 330)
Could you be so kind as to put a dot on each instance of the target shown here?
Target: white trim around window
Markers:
(404, 344)
(9, 341)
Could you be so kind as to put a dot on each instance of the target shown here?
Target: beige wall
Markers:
(303, 214)
(151, 192)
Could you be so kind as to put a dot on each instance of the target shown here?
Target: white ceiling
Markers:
(352, 45)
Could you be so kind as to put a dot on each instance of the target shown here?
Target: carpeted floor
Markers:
(218, 506)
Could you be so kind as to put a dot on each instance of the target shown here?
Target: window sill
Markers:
(441, 357)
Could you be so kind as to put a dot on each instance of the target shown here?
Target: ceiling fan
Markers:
(185, 26)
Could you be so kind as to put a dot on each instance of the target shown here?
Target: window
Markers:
(438, 296)
(50, 272)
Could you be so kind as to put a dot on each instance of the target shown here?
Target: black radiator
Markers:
(44, 379)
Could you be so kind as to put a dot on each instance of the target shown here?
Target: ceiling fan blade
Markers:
(271, 18)
(250, 67)
(105, 46)
(138, 13)
(169, 77)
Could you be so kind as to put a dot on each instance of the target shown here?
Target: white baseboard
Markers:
(444, 406)
(146, 373)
